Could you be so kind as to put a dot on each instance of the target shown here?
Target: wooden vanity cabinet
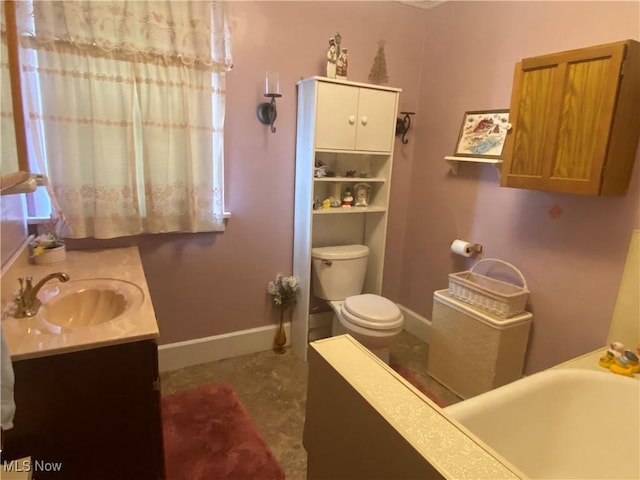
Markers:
(575, 121)
(96, 412)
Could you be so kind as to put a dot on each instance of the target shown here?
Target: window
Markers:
(127, 119)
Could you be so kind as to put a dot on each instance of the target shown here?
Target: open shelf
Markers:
(455, 161)
(350, 179)
(347, 210)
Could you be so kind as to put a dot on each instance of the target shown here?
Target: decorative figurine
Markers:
(332, 57)
(615, 350)
(626, 364)
(347, 198)
(378, 73)
(341, 65)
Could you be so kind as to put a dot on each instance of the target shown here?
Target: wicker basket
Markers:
(504, 299)
(50, 256)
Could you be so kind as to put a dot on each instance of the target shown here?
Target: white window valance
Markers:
(194, 33)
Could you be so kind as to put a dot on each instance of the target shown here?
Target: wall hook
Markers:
(403, 125)
(267, 112)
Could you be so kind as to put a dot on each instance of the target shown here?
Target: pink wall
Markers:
(573, 261)
(210, 284)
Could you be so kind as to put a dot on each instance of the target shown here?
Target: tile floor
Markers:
(273, 388)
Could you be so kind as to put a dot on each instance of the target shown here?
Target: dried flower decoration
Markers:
(283, 294)
(283, 290)
(53, 228)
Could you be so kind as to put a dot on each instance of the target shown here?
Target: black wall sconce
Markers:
(403, 125)
(267, 112)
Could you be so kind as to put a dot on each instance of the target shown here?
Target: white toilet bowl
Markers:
(339, 273)
(372, 320)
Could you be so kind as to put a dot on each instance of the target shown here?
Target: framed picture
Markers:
(483, 134)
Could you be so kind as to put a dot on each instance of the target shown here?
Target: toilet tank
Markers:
(338, 272)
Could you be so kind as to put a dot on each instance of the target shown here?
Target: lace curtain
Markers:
(126, 110)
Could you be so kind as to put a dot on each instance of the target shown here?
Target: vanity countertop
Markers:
(30, 337)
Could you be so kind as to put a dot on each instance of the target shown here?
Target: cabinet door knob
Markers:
(352, 119)
(364, 120)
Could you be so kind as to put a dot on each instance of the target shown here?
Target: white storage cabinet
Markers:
(347, 126)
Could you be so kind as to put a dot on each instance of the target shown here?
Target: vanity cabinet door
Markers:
(94, 413)
(355, 119)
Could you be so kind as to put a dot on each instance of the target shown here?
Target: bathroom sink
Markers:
(84, 303)
(561, 423)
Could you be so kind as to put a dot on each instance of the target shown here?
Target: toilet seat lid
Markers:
(372, 311)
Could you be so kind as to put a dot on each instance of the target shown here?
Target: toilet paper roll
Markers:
(462, 247)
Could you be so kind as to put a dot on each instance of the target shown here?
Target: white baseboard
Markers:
(416, 324)
(174, 356)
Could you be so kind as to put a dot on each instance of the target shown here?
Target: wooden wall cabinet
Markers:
(575, 121)
(96, 412)
(346, 126)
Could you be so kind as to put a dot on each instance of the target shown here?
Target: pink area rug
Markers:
(410, 377)
(209, 435)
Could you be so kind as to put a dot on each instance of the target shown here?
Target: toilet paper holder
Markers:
(464, 248)
(477, 248)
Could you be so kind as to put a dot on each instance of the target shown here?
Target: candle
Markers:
(271, 83)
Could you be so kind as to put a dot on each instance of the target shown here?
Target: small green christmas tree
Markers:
(378, 73)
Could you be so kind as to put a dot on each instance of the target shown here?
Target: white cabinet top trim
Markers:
(346, 82)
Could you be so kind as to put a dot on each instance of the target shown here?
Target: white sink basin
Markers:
(561, 423)
(83, 303)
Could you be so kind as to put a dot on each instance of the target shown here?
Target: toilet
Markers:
(338, 277)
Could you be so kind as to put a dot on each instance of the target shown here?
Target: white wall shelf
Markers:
(455, 161)
(350, 179)
(348, 210)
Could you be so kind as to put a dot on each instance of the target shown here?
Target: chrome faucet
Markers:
(27, 300)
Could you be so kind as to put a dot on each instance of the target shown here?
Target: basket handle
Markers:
(518, 272)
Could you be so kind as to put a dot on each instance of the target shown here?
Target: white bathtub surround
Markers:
(363, 420)
(625, 324)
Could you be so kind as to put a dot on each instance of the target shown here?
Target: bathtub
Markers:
(561, 424)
